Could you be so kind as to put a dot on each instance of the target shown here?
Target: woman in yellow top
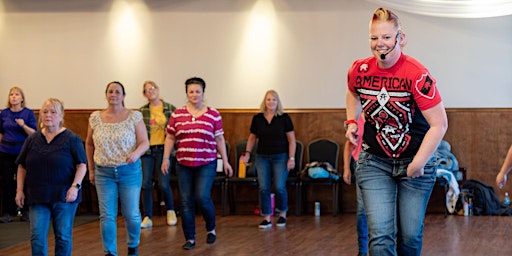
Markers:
(155, 114)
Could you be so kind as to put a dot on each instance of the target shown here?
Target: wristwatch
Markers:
(292, 158)
(76, 185)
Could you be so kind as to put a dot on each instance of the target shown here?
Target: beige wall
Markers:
(71, 49)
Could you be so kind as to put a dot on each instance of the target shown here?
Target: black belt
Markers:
(156, 147)
(12, 143)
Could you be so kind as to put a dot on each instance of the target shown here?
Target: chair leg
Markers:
(304, 199)
(334, 199)
(223, 196)
(298, 200)
(340, 198)
(231, 194)
(446, 188)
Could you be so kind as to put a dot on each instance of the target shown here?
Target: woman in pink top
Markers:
(195, 130)
(350, 156)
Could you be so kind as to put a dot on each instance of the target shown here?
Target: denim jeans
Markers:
(361, 224)
(272, 168)
(395, 204)
(151, 164)
(123, 182)
(195, 184)
(62, 216)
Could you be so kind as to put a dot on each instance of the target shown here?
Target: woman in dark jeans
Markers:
(155, 114)
(275, 155)
(196, 131)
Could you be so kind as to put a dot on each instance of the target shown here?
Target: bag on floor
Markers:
(485, 201)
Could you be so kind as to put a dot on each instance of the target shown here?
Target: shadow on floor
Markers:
(19, 231)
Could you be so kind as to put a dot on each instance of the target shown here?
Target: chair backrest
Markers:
(299, 154)
(239, 149)
(324, 150)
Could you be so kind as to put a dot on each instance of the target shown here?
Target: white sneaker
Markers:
(146, 223)
(171, 218)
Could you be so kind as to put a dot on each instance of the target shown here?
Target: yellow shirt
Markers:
(157, 125)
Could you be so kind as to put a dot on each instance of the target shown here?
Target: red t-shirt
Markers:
(392, 100)
(195, 137)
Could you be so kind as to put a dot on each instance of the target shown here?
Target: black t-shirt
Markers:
(271, 136)
(51, 167)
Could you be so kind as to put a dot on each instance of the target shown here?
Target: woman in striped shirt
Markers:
(196, 131)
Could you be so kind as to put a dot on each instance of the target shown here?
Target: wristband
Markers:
(351, 121)
(166, 159)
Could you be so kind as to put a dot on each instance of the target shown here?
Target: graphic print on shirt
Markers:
(392, 101)
(390, 113)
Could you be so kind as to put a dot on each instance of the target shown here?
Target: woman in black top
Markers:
(274, 157)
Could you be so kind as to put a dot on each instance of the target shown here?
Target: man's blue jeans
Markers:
(124, 183)
(272, 167)
(151, 165)
(395, 204)
(195, 184)
(62, 216)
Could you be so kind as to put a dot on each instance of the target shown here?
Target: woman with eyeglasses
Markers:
(155, 114)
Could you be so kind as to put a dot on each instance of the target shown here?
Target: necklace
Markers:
(195, 113)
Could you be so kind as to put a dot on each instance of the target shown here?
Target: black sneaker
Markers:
(6, 219)
(210, 238)
(189, 245)
(133, 251)
(281, 222)
(265, 224)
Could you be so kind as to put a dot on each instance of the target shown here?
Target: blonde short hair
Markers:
(59, 107)
(263, 106)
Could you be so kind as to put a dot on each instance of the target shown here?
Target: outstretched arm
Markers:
(501, 179)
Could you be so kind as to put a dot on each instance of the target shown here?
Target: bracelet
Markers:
(351, 121)
(292, 158)
(166, 159)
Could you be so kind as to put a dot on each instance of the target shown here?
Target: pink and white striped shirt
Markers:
(195, 137)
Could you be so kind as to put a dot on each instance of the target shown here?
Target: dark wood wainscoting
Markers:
(479, 138)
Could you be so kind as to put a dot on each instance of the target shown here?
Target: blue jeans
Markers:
(151, 164)
(123, 182)
(195, 184)
(395, 204)
(361, 224)
(272, 167)
(62, 216)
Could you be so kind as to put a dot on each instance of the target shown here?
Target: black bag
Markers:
(485, 201)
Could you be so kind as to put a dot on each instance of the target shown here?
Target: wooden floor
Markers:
(305, 235)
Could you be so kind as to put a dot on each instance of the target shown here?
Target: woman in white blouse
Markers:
(116, 138)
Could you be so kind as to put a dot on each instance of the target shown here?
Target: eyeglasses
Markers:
(150, 89)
